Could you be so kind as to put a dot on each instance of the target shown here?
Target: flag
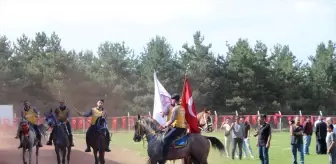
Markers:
(189, 106)
(161, 101)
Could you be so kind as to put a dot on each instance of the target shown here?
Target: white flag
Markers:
(161, 101)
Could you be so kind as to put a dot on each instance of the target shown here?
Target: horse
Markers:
(29, 140)
(60, 138)
(97, 139)
(194, 148)
(205, 121)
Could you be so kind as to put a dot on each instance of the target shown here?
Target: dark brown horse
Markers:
(194, 147)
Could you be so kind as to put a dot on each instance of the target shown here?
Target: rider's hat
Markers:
(176, 97)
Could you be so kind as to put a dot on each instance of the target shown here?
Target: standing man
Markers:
(330, 121)
(237, 129)
(246, 144)
(296, 132)
(227, 135)
(307, 134)
(31, 115)
(264, 134)
(178, 125)
(62, 113)
(321, 134)
(95, 113)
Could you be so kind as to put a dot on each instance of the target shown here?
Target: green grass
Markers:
(279, 152)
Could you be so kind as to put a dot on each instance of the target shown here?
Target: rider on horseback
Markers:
(176, 117)
(31, 115)
(95, 113)
(63, 115)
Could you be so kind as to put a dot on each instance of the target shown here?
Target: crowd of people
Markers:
(237, 133)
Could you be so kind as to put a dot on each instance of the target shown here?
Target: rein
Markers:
(144, 137)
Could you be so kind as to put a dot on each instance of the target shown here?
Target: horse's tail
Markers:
(217, 144)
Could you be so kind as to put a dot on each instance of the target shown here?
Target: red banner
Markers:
(254, 119)
(74, 123)
(215, 122)
(87, 123)
(268, 119)
(302, 119)
(131, 121)
(275, 119)
(247, 119)
(80, 124)
(114, 123)
(124, 122)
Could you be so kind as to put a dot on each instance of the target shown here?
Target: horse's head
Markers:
(145, 126)
(25, 128)
(50, 119)
(139, 129)
(101, 123)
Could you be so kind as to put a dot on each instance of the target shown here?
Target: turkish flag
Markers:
(189, 107)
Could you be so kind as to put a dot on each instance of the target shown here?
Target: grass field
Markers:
(279, 152)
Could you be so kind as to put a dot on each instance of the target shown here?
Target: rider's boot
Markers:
(50, 140)
(87, 146)
(108, 147)
(71, 140)
(39, 141)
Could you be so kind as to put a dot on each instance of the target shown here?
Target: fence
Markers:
(126, 123)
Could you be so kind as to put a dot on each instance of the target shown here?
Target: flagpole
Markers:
(185, 78)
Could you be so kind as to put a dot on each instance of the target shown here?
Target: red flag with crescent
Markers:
(189, 106)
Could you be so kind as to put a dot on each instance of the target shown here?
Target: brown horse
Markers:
(193, 147)
(204, 119)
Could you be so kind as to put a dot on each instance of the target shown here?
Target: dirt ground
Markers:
(9, 154)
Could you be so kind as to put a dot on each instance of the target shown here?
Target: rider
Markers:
(178, 122)
(63, 115)
(31, 115)
(95, 113)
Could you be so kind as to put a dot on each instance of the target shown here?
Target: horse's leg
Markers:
(102, 156)
(68, 156)
(64, 151)
(57, 154)
(37, 153)
(24, 155)
(95, 155)
(30, 155)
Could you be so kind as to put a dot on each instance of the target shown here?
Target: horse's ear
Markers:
(139, 117)
(45, 114)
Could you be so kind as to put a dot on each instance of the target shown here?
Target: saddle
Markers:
(181, 141)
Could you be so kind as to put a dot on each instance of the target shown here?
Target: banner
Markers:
(124, 124)
(114, 123)
(161, 101)
(80, 124)
(74, 123)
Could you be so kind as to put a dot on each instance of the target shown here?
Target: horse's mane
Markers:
(150, 123)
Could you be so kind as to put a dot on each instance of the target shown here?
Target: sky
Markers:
(83, 24)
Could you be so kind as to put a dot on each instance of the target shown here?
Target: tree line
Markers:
(247, 78)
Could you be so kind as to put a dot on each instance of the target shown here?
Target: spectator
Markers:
(246, 144)
(307, 133)
(296, 132)
(237, 137)
(227, 135)
(332, 122)
(331, 138)
(321, 134)
(264, 134)
(317, 121)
